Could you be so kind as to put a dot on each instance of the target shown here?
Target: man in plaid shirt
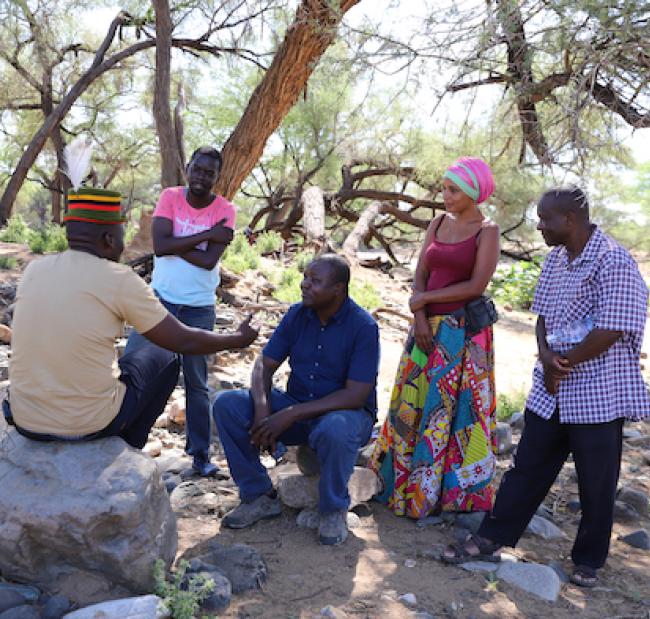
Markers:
(591, 303)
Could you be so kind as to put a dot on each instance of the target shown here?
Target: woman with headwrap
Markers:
(436, 449)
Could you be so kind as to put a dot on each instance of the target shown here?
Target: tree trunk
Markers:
(161, 104)
(311, 33)
(179, 130)
(313, 208)
(360, 230)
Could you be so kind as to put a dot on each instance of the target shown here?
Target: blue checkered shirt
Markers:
(603, 282)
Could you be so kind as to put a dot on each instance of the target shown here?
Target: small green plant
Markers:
(240, 256)
(302, 259)
(181, 596)
(17, 231)
(508, 404)
(515, 284)
(50, 238)
(269, 242)
(287, 283)
(365, 295)
(7, 263)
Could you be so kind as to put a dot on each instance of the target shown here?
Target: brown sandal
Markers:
(482, 550)
(584, 576)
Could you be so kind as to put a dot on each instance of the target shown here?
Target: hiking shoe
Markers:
(247, 514)
(333, 528)
(204, 468)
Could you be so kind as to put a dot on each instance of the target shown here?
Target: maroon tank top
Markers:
(449, 263)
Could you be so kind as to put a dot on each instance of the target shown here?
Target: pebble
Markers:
(409, 599)
(31, 594)
(479, 566)
(540, 580)
(127, 608)
(353, 521)
(56, 607)
(153, 448)
(10, 599)
(573, 506)
(544, 528)
(634, 498)
(410, 563)
(21, 612)
(330, 612)
(631, 432)
(646, 456)
(429, 521)
(221, 594)
(624, 513)
(423, 614)
(638, 539)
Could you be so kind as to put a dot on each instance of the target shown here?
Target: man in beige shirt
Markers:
(65, 380)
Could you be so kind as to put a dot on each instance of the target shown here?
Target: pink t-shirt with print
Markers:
(175, 279)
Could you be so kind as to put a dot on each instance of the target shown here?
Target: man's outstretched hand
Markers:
(246, 332)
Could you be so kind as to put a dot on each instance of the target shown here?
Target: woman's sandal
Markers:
(474, 548)
(584, 576)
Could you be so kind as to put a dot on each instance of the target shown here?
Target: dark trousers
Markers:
(543, 449)
(150, 374)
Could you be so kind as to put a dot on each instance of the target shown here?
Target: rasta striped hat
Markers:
(96, 206)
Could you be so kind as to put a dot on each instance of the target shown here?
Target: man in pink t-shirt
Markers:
(191, 229)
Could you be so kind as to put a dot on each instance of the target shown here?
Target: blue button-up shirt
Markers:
(323, 357)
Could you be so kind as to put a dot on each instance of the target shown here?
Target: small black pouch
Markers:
(479, 313)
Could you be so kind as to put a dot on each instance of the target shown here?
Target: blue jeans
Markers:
(335, 437)
(195, 378)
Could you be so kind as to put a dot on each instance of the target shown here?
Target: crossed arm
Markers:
(166, 244)
(266, 427)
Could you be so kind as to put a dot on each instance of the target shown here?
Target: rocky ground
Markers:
(389, 566)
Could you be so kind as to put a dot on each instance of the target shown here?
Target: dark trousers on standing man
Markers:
(543, 449)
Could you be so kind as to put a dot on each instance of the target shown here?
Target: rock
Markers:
(646, 456)
(423, 614)
(573, 506)
(429, 521)
(363, 457)
(171, 481)
(31, 594)
(460, 534)
(409, 599)
(624, 513)
(639, 441)
(540, 580)
(208, 502)
(471, 520)
(448, 517)
(162, 421)
(153, 448)
(331, 613)
(184, 494)
(353, 521)
(21, 612)
(638, 539)
(630, 432)
(308, 519)
(301, 492)
(307, 461)
(504, 438)
(241, 564)
(176, 410)
(517, 421)
(76, 511)
(544, 512)
(173, 462)
(10, 599)
(221, 594)
(479, 566)
(5, 334)
(556, 566)
(544, 528)
(143, 607)
(56, 607)
(634, 498)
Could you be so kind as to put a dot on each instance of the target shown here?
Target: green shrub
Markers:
(182, 603)
(7, 263)
(269, 242)
(508, 404)
(17, 231)
(365, 295)
(240, 256)
(287, 283)
(302, 259)
(50, 238)
(515, 284)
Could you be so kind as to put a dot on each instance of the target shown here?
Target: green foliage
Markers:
(240, 256)
(269, 242)
(514, 284)
(508, 404)
(182, 603)
(17, 231)
(8, 263)
(365, 295)
(302, 259)
(50, 238)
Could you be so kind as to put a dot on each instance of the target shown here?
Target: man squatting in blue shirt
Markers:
(330, 404)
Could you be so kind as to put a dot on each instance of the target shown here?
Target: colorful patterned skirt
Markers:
(437, 446)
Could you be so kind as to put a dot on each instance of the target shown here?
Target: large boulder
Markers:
(88, 519)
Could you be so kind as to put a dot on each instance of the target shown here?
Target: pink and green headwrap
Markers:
(473, 176)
